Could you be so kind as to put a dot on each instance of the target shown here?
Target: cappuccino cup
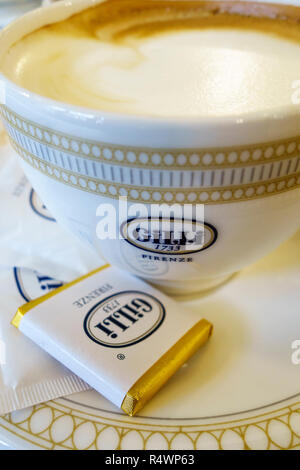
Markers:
(165, 134)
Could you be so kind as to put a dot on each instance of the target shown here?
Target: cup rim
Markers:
(94, 114)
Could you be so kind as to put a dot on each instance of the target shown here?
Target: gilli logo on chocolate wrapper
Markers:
(32, 284)
(124, 319)
(169, 236)
(39, 207)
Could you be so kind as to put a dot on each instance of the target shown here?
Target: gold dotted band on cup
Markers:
(145, 157)
(163, 195)
(150, 177)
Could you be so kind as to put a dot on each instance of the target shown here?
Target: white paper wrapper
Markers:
(28, 375)
(29, 235)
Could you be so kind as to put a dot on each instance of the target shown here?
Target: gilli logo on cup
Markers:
(124, 319)
(169, 236)
(158, 228)
(155, 238)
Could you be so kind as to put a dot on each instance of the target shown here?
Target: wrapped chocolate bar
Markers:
(120, 335)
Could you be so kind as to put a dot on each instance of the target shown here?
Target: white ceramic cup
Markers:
(245, 170)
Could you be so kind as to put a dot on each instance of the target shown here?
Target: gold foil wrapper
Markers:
(150, 383)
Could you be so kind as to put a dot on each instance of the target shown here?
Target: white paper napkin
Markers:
(29, 235)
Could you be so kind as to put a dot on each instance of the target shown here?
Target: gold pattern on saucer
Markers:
(63, 426)
(155, 195)
(163, 158)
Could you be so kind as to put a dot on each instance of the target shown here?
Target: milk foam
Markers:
(178, 67)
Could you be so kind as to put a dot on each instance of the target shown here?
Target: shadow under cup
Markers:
(200, 198)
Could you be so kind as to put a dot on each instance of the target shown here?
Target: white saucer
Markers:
(241, 391)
